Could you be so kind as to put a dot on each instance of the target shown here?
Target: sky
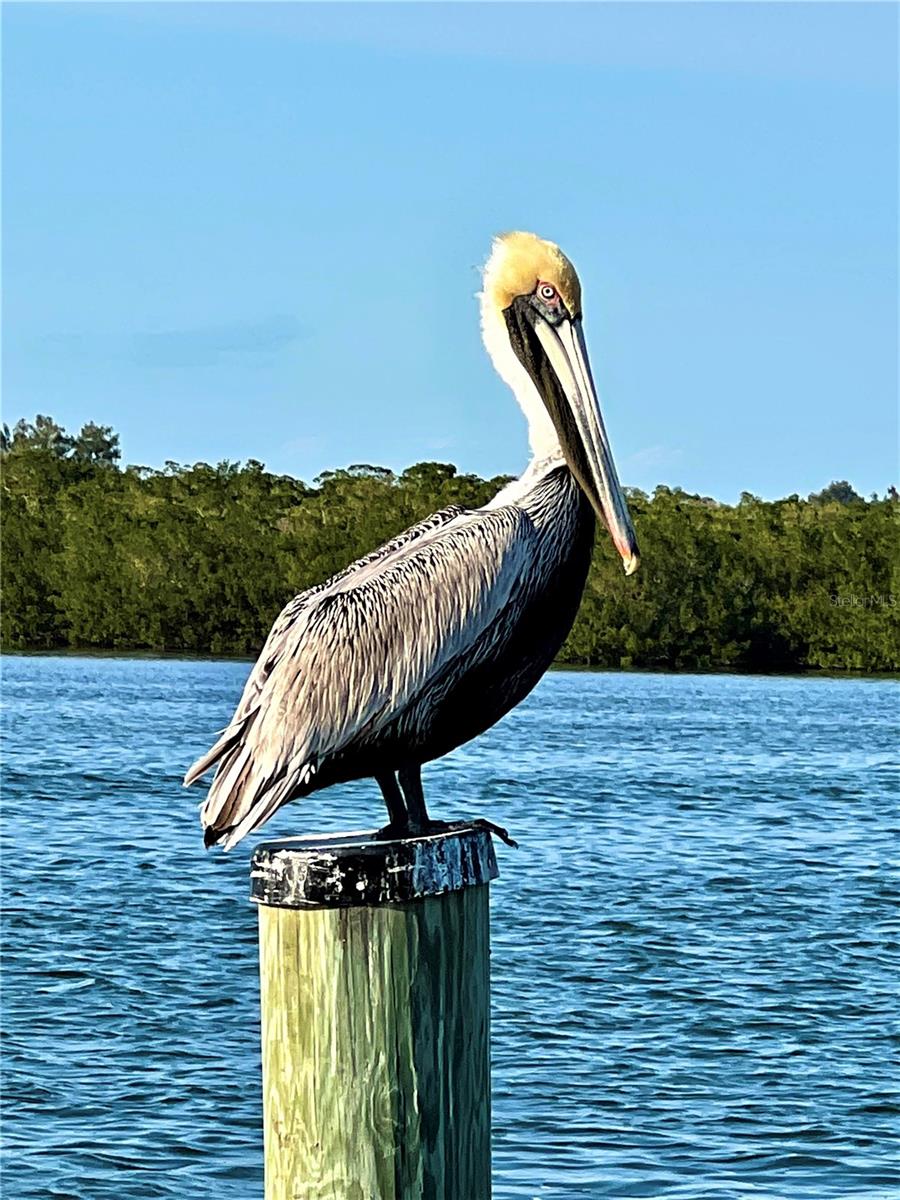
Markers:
(241, 231)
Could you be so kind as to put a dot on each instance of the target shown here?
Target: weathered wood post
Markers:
(374, 975)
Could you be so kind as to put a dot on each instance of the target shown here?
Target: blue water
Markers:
(696, 951)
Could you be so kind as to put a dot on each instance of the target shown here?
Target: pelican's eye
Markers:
(548, 302)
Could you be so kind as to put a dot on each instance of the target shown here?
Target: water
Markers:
(696, 949)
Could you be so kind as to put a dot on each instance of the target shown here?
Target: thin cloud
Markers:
(654, 456)
(731, 39)
(214, 344)
(197, 346)
(311, 443)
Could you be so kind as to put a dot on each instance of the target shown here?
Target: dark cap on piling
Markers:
(347, 870)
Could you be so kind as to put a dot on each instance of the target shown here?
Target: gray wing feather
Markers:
(349, 656)
(282, 629)
(278, 641)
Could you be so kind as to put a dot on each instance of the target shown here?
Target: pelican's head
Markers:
(531, 320)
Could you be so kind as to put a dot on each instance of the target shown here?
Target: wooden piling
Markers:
(374, 975)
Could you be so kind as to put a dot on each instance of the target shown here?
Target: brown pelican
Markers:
(431, 639)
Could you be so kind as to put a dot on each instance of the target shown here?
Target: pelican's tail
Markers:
(228, 738)
(244, 793)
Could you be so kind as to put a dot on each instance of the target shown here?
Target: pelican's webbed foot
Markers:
(394, 831)
(429, 827)
(501, 833)
(409, 817)
(397, 831)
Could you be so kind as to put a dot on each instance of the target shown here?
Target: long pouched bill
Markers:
(583, 435)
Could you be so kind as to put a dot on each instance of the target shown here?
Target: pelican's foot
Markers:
(396, 832)
(393, 832)
(501, 833)
(429, 827)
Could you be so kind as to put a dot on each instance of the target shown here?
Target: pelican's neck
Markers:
(518, 489)
(541, 434)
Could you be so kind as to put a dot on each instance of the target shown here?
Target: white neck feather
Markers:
(541, 434)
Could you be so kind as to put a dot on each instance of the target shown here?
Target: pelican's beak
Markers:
(555, 356)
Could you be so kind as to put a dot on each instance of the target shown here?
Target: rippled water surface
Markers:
(696, 949)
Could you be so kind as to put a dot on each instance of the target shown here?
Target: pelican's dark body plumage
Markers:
(476, 689)
(431, 639)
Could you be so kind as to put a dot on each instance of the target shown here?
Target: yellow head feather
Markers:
(518, 261)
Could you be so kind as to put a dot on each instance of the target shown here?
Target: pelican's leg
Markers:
(419, 820)
(417, 814)
(411, 783)
(398, 824)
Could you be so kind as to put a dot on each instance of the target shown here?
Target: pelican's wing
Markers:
(280, 634)
(285, 622)
(346, 658)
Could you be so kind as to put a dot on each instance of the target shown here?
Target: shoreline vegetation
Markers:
(198, 560)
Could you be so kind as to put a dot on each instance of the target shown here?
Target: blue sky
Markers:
(237, 231)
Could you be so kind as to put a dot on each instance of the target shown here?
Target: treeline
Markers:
(200, 559)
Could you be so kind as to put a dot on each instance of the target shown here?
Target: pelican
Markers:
(429, 640)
